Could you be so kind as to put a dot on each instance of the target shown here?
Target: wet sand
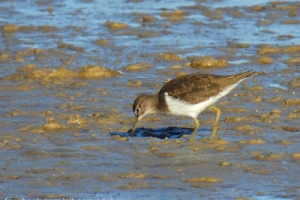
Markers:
(71, 71)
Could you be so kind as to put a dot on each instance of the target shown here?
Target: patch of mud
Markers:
(168, 56)
(138, 66)
(45, 75)
(207, 62)
(174, 16)
(115, 25)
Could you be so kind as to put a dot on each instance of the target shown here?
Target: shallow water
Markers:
(69, 76)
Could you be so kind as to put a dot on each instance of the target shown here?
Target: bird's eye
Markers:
(137, 110)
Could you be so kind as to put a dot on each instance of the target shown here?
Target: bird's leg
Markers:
(215, 133)
(195, 129)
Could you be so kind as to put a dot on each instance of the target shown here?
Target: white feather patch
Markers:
(179, 107)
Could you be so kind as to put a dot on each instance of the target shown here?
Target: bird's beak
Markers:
(134, 126)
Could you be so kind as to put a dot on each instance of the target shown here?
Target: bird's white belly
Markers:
(179, 107)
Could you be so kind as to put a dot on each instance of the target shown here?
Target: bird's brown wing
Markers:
(197, 87)
(194, 88)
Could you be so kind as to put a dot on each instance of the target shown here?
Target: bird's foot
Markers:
(214, 135)
(191, 138)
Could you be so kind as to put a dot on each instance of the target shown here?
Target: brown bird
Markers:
(188, 96)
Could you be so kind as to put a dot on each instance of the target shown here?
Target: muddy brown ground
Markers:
(71, 71)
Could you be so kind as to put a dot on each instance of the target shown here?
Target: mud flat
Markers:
(70, 73)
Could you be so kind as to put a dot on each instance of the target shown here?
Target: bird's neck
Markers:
(153, 103)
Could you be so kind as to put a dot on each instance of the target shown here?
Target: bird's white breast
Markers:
(180, 107)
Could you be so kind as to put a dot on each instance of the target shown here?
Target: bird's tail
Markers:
(234, 78)
(250, 73)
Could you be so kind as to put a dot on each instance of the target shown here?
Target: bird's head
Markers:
(143, 105)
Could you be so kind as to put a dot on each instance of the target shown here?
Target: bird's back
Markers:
(196, 88)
